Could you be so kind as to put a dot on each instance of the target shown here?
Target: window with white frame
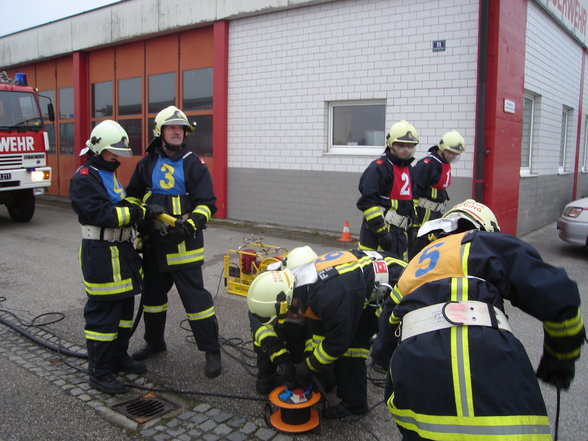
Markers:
(564, 160)
(527, 136)
(357, 127)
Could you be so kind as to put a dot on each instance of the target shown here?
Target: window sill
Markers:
(346, 151)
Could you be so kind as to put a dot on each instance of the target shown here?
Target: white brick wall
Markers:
(284, 68)
(553, 64)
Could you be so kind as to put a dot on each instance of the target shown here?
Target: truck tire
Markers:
(22, 208)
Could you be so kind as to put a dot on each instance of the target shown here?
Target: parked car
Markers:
(573, 222)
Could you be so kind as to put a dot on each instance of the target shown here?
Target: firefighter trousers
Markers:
(350, 370)
(196, 299)
(107, 331)
(369, 241)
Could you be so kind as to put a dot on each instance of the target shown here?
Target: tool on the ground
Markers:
(242, 265)
(294, 413)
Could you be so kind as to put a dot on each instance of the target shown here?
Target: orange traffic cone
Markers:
(346, 235)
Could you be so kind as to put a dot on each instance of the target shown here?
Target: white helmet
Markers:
(297, 257)
(478, 215)
(452, 141)
(270, 295)
(108, 135)
(171, 116)
(402, 131)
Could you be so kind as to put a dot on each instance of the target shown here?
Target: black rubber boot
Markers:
(130, 366)
(108, 384)
(213, 366)
(344, 409)
(264, 385)
(148, 351)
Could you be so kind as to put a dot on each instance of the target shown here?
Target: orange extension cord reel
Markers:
(293, 417)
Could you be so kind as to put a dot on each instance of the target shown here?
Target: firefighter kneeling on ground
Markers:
(457, 370)
(110, 265)
(338, 293)
(280, 346)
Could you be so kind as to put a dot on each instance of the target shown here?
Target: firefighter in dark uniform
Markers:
(280, 346)
(431, 177)
(386, 194)
(110, 265)
(457, 370)
(338, 293)
(172, 180)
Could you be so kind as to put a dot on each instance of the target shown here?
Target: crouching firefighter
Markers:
(338, 293)
(280, 345)
(110, 265)
(457, 370)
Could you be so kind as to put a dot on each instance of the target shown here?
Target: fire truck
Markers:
(23, 147)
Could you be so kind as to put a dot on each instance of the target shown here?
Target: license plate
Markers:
(5, 176)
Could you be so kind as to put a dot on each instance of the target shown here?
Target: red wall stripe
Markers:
(503, 131)
(579, 130)
(220, 114)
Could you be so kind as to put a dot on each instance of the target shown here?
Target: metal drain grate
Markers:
(145, 408)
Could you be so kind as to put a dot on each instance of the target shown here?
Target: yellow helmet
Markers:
(402, 131)
(171, 116)
(300, 256)
(270, 295)
(452, 141)
(108, 135)
(479, 214)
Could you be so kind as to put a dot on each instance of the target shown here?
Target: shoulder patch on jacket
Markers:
(84, 171)
(202, 161)
(426, 160)
(379, 161)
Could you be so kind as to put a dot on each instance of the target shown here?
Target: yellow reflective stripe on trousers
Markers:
(125, 324)
(155, 309)
(100, 336)
(201, 315)
(565, 328)
(462, 428)
(460, 353)
(117, 286)
(183, 256)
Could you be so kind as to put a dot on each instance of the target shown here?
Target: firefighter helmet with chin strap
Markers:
(171, 116)
(297, 257)
(452, 141)
(108, 135)
(402, 131)
(464, 216)
(270, 295)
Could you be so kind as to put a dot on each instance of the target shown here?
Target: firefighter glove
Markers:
(154, 210)
(137, 214)
(286, 374)
(377, 224)
(385, 240)
(303, 378)
(187, 226)
(199, 220)
(560, 373)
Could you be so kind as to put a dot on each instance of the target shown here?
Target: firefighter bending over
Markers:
(458, 371)
(110, 265)
(338, 293)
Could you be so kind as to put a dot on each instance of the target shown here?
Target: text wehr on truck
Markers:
(23, 147)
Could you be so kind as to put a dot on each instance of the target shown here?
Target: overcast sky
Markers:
(17, 15)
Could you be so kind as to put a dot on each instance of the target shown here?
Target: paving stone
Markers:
(199, 418)
(237, 436)
(236, 421)
(222, 429)
(201, 407)
(221, 417)
(210, 437)
(265, 434)
(186, 415)
(207, 425)
(248, 428)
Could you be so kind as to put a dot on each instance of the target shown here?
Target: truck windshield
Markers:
(19, 110)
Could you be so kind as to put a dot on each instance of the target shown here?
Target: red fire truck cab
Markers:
(23, 147)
